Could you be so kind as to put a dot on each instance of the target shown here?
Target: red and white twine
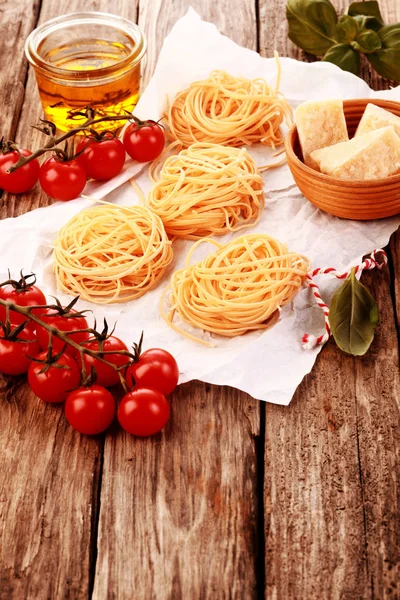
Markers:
(311, 341)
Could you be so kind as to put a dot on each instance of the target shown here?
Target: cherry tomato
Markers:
(106, 375)
(55, 383)
(90, 410)
(64, 323)
(14, 354)
(143, 411)
(21, 180)
(156, 369)
(28, 296)
(62, 180)
(101, 159)
(144, 142)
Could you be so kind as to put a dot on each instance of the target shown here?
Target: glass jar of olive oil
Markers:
(87, 59)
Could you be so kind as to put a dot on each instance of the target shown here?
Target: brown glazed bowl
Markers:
(359, 199)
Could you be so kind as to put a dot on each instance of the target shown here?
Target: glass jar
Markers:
(88, 59)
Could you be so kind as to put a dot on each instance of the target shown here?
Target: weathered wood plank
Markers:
(332, 511)
(378, 435)
(235, 19)
(331, 459)
(49, 474)
(178, 515)
(178, 511)
(314, 529)
(48, 490)
(18, 18)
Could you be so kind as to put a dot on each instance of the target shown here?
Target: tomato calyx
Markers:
(137, 348)
(147, 123)
(66, 311)
(101, 136)
(88, 379)
(104, 335)
(48, 128)
(11, 332)
(23, 284)
(50, 360)
(91, 135)
(8, 146)
(101, 336)
(66, 155)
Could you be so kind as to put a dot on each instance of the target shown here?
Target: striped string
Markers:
(311, 341)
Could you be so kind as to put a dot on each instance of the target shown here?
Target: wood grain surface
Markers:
(48, 500)
(18, 18)
(234, 499)
(332, 474)
(332, 515)
(181, 508)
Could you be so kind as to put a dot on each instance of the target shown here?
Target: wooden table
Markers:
(236, 498)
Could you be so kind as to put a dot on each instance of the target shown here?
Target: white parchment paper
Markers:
(268, 365)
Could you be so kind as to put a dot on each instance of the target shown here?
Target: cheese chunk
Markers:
(369, 156)
(375, 117)
(320, 123)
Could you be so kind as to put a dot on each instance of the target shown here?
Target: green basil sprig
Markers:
(353, 316)
(315, 27)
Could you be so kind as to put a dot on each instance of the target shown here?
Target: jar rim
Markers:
(58, 23)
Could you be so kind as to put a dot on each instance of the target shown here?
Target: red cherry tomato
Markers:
(62, 180)
(143, 411)
(21, 180)
(55, 383)
(14, 354)
(90, 410)
(106, 375)
(64, 323)
(101, 159)
(28, 296)
(144, 142)
(156, 369)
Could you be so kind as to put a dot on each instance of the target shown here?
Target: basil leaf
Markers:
(368, 22)
(345, 57)
(368, 41)
(390, 35)
(347, 29)
(367, 14)
(311, 24)
(366, 9)
(353, 316)
(386, 61)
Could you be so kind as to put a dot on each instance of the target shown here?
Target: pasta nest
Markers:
(236, 289)
(229, 110)
(207, 189)
(111, 253)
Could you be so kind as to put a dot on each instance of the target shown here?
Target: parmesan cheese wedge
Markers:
(375, 117)
(370, 156)
(320, 123)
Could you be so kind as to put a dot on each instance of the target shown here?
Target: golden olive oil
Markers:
(97, 76)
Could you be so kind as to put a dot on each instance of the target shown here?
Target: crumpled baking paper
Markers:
(268, 365)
